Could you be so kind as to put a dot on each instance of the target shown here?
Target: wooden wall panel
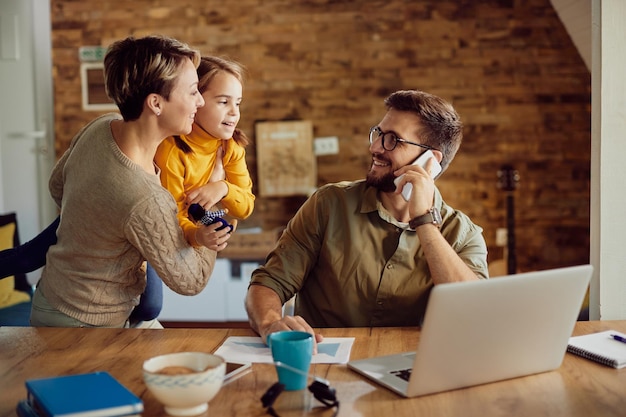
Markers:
(508, 66)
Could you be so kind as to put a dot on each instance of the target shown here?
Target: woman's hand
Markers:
(212, 238)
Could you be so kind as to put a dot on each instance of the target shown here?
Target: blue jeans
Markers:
(151, 300)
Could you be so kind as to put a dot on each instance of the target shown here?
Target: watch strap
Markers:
(431, 217)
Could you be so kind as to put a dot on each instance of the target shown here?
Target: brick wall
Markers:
(508, 66)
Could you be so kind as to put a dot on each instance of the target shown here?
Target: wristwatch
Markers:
(432, 217)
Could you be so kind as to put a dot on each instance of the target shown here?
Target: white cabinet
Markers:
(221, 300)
(236, 289)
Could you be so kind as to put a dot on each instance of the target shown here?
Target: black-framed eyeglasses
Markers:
(390, 139)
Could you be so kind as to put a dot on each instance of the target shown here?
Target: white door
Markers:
(26, 114)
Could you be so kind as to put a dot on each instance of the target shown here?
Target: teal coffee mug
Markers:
(294, 349)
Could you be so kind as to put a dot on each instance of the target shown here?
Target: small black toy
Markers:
(206, 217)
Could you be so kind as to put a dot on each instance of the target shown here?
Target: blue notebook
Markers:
(96, 394)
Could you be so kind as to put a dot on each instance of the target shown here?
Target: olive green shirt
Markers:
(353, 265)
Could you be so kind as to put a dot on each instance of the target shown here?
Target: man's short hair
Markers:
(441, 126)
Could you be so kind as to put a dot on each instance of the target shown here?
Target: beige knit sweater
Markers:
(114, 216)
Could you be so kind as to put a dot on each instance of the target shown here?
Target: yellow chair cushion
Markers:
(8, 294)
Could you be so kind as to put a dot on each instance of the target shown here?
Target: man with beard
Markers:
(357, 254)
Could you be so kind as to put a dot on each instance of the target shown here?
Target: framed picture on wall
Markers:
(92, 87)
(286, 162)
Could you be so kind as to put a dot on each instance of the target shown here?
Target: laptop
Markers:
(485, 331)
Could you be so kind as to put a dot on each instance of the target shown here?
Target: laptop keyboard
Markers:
(402, 373)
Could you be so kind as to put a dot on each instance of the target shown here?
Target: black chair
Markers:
(21, 283)
(17, 314)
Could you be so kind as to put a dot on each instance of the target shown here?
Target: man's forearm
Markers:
(444, 263)
(263, 306)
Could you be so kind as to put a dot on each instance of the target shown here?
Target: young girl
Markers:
(188, 162)
(206, 167)
(205, 157)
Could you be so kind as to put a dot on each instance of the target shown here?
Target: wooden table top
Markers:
(578, 388)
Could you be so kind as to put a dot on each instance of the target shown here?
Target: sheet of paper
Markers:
(252, 349)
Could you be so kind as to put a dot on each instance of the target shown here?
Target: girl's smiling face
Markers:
(220, 114)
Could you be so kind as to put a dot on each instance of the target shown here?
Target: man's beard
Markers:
(384, 183)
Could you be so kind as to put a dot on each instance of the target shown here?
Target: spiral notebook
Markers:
(600, 347)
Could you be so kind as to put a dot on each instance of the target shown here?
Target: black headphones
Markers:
(321, 390)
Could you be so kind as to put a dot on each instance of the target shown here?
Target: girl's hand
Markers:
(211, 193)
(207, 195)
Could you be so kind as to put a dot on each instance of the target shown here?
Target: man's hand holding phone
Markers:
(421, 160)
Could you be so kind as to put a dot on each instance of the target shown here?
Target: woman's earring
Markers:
(158, 113)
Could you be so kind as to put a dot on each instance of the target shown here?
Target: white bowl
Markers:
(185, 394)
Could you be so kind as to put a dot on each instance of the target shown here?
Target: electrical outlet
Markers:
(502, 236)
(326, 145)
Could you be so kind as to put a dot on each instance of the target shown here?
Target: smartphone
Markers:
(421, 161)
(235, 370)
